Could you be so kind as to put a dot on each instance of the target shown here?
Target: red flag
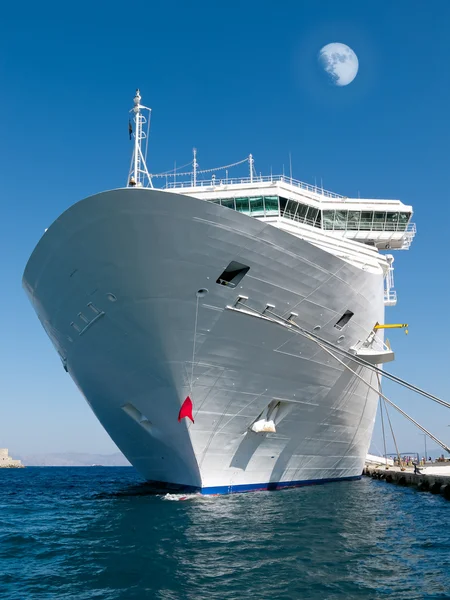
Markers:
(186, 410)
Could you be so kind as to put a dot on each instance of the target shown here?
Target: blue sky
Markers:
(229, 78)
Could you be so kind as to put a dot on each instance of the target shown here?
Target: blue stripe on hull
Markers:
(271, 486)
(159, 487)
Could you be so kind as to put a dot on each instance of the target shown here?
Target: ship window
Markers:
(271, 205)
(340, 220)
(344, 319)
(403, 219)
(366, 220)
(391, 221)
(242, 205)
(312, 215)
(379, 219)
(353, 219)
(283, 203)
(257, 206)
(328, 219)
(318, 222)
(290, 209)
(233, 274)
(228, 203)
(301, 213)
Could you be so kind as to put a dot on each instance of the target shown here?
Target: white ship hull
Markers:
(114, 283)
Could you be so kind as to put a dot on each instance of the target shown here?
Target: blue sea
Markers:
(96, 533)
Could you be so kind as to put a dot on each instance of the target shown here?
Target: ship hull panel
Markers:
(114, 282)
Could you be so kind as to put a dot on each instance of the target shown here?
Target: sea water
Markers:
(95, 533)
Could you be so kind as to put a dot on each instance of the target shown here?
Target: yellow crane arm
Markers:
(392, 326)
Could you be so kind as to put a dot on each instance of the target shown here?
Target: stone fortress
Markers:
(7, 462)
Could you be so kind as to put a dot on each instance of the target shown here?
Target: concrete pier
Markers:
(6, 462)
(430, 479)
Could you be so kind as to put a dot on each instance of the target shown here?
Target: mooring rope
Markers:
(390, 425)
(295, 328)
(384, 435)
(437, 440)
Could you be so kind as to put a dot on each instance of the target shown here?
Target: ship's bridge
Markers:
(353, 229)
(384, 224)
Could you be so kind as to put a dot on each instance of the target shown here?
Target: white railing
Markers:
(356, 227)
(302, 220)
(390, 298)
(409, 229)
(410, 233)
(256, 179)
(373, 342)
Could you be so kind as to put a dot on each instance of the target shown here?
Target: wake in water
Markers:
(178, 497)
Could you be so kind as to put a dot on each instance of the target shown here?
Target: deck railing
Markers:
(394, 227)
(409, 228)
(225, 181)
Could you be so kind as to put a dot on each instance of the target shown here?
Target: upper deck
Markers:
(384, 224)
(353, 229)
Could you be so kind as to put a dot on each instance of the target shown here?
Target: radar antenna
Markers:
(139, 175)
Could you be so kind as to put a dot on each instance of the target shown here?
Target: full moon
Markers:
(339, 62)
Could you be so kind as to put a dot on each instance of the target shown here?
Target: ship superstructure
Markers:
(199, 292)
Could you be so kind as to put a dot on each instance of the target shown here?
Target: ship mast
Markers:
(139, 175)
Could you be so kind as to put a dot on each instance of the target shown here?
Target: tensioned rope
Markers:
(323, 344)
(382, 429)
(358, 360)
(433, 437)
(174, 173)
(390, 424)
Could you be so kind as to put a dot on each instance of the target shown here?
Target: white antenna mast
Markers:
(195, 165)
(139, 175)
(251, 162)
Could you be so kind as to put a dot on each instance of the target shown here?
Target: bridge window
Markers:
(379, 221)
(313, 216)
(328, 219)
(355, 220)
(335, 220)
(291, 209)
(403, 220)
(257, 206)
(366, 220)
(340, 219)
(271, 205)
(302, 211)
(229, 203)
(242, 205)
(318, 222)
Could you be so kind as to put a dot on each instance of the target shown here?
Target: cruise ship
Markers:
(223, 328)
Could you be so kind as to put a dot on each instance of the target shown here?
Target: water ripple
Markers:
(97, 533)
